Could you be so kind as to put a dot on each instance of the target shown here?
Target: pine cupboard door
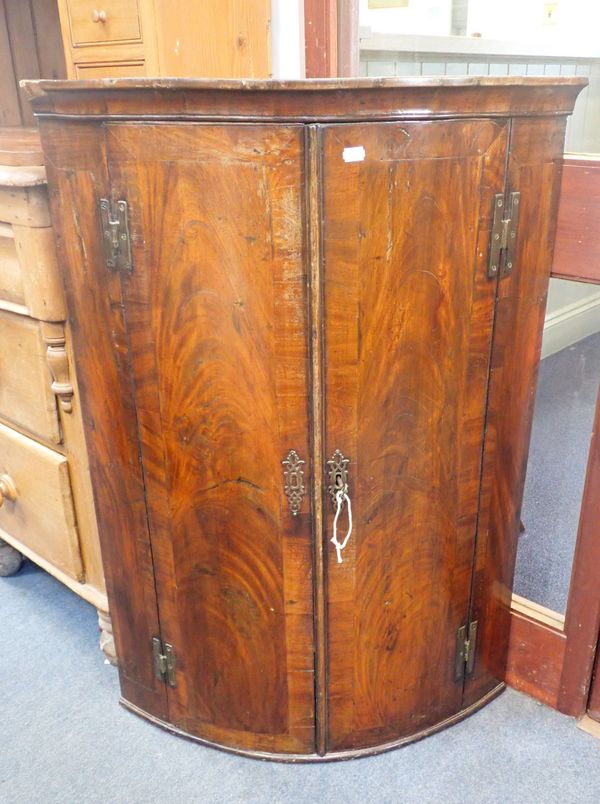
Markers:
(409, 313)
(216, 314)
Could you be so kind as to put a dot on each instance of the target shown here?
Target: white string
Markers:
(340, 496)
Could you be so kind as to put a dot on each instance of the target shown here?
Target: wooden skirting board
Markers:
(552, 657)
(590, 726)
(535, 658)
(577, 250)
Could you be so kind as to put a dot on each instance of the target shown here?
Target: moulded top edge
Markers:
(41, 87)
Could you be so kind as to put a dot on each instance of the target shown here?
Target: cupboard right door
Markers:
(534, 171)
(408, 310)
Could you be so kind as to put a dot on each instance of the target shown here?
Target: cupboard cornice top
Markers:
(307, 100)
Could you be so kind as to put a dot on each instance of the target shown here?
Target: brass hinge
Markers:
(115, 235)
(504, 234)
(464, 660)
(164, 661)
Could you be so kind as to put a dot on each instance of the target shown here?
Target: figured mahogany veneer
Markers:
(291, 291)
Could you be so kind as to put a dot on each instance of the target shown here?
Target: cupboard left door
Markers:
(77, 176)
(216, 319)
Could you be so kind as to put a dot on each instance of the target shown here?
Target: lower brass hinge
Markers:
(164, 661)
(464, 660)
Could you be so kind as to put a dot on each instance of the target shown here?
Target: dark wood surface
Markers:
(327, 99)
(551, 664)
(582, 621)
(577, 254)
(534, 164)
(77, 176)
(405, 236)
(331, 38)
(535, 659)
(216, 312)
(284, 298)
(20, 147)
(321, 38)
(30, 48)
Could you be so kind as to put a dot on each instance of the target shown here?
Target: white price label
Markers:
(355, 154)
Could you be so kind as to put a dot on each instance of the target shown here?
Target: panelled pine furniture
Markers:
(304, 311)
(46, 505)
(118, 38)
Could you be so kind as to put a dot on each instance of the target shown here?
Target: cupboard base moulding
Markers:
(330, 756)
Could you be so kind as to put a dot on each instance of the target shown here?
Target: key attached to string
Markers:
(341, 497)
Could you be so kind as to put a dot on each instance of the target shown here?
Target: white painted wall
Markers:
(573, 313)
(572, 23)
(287, 38)
(420, 17)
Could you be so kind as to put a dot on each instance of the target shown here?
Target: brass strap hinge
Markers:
(164, 661)
(504, 234)
(466, 642)
(115, 235)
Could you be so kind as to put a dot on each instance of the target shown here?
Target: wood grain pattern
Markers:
(77, 172)
(575, 257)
(582, 621)
(317, 424)
(340, 99)
(216, 312)
(123, 68)
(321, 38)
(10, 110)
(25, 395)
(331, 38)
(534, 163)
(214, 38)
(42, 516)
(181, 37)
(274, 282)
(42, 287)
(406, 384)
(20, 146)
(119, 21)
(577, 253)
(535, 659)
(30, 47)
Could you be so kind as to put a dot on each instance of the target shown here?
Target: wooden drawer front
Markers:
(26, 397)
(103, 21)
(131, 70)
(11, 283)
(25, 206)
(42, 516)
(29, 280)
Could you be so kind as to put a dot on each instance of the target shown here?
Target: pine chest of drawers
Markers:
(46, 510)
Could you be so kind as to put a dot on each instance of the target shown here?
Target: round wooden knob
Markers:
(98, 16)
(7, 489)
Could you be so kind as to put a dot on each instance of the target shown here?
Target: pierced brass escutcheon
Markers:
(338, 474)
(294, 480)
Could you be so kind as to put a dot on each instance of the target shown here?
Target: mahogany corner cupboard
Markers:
(306, 311)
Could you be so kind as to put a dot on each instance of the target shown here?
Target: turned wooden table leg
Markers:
(11, 560)
(107, 641)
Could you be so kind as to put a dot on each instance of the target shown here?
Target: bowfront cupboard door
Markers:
(408, 310)
(215, 310)
(534, 170)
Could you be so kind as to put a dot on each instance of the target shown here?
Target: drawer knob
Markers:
(98, 16)
(7, 489)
